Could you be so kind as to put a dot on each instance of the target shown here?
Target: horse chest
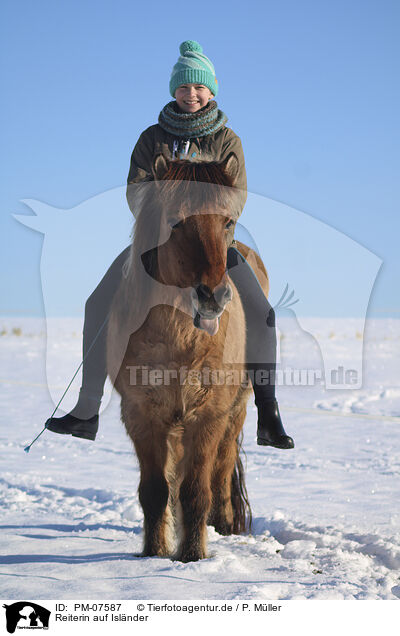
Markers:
(170, 370)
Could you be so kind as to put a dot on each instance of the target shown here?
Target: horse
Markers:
(176, 325)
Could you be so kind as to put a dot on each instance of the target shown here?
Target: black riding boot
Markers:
(260, 351)
(270, 431)
(83, 420)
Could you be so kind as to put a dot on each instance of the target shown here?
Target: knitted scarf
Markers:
(206, 121)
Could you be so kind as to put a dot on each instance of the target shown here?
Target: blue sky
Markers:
(311, 87)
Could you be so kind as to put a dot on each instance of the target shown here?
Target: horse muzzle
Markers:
(209, 305)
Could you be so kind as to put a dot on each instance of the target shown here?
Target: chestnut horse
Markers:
(178, 326)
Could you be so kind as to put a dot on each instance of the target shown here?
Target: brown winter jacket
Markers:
(155, 140)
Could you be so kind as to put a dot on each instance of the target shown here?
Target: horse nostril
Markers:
(223, 295)
(204, 293)
(228, 294)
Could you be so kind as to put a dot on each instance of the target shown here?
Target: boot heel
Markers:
(270, 431)
(84, 435)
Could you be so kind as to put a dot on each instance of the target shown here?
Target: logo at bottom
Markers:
(26, 615)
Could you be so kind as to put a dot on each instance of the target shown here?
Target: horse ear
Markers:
(160, 167)
(231, 166)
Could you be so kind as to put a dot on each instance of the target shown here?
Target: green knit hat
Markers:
(193, 67)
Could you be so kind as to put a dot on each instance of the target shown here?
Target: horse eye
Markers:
(174, 223)
(229, 224)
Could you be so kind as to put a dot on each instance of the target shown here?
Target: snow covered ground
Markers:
(326, 514)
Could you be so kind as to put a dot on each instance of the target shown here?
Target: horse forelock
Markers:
(199, 185)
(188, 187)
(198, 171)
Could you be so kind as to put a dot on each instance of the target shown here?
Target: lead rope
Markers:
(28, 448)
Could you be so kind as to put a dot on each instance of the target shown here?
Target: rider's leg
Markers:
(82, 421)
(260, 351)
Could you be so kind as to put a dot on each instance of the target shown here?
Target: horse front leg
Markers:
(153, 495)
(221, 514)
(195, 498)
(229, 504)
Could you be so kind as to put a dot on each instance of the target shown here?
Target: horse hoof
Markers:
(224, 529)
(191, 556)
(145, 554)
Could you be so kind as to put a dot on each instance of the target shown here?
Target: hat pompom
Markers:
(190, 45)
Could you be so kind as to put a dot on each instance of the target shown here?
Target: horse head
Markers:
(198, 207)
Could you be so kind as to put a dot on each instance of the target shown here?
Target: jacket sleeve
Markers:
(232, 143)
(141, 165)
